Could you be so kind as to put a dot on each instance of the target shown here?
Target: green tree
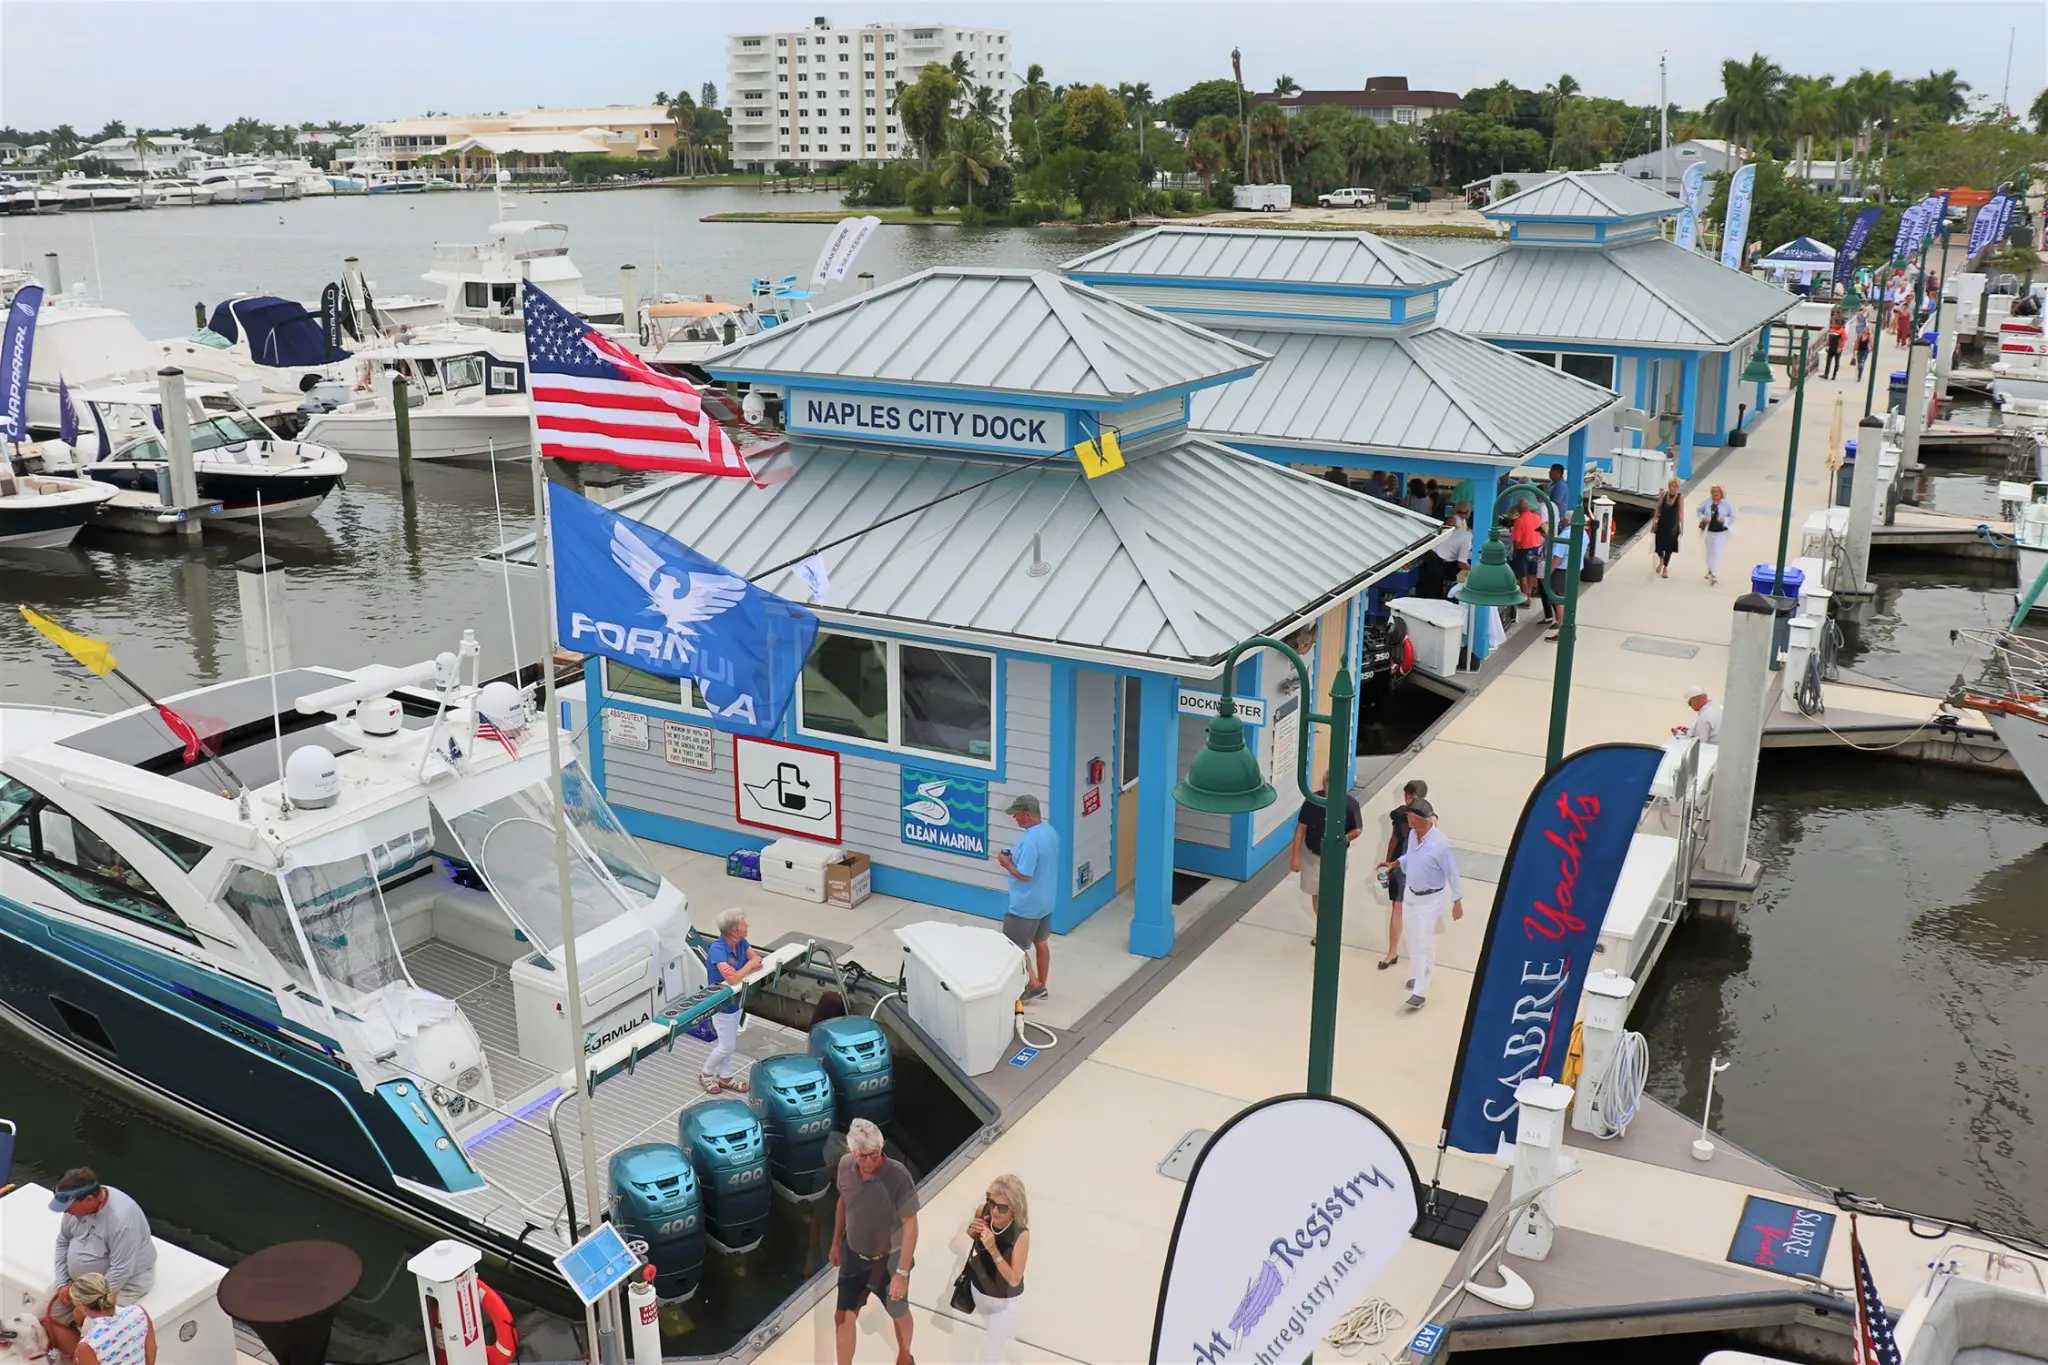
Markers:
(1286, 85)
(707, 95)
(925, 108)
(114, 128)
(2038, 112)
(62, 142)
(972, 152)
(1941, 94)
(1272, 134)
(1943, 155)
(1752, 101)
(682, 114)
(1809, 113)
(985, 105)
(1093, 118)
(1501, 102)
(1201, 100)
(143, 147)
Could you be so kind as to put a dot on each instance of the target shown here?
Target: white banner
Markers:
(1740, 191)
(863, 228)
(1692, 201)
(835, 242)
(1294, 1208)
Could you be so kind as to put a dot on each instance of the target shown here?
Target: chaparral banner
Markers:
(1294, 1208)
(1560, 874)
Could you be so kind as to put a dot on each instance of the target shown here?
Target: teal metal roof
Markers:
(1265, 256)
(1432, 392)
(993, 331)
(1643, 294)
(1171, 558)
(1589, 196)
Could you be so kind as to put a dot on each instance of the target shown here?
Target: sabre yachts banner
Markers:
(1561, 872)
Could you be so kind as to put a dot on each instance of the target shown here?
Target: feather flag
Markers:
(97, 658)
(67, 416)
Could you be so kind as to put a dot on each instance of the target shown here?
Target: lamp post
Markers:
(1224, 779)
(1492, 584)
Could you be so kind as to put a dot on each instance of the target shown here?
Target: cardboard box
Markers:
(849, 881)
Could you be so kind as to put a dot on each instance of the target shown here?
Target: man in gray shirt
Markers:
(874, 1238)
(103, 1232)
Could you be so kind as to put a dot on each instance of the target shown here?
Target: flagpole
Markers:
(604, 1342)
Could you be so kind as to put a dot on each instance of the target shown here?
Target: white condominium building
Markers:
(822, 95)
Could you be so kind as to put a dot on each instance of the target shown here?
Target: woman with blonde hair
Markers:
(1717, 520)
(1670, 512)
(110, 1333)
(1001, 1233)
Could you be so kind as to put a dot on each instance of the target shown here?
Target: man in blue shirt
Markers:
(1033, 866)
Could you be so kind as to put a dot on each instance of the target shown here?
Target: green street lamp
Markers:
(1758, 370)
(1492, 584)
(1224, 779)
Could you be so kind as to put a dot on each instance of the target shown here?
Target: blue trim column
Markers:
(1688, 409)
(1763, 391)
(1575, 467)
(1483, 490)
(1642, 363)
(1060, 809)
(1158, 770)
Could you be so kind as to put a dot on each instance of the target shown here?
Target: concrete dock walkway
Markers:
(1229, 1025)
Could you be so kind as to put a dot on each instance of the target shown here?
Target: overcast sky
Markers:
(172, 62)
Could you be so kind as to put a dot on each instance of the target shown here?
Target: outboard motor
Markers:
(792, 1095)
(655, 1199)
(723, 1139)
(855, 1054)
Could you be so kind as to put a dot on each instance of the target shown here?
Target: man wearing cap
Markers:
(1431, 873)
(103, 1232)
(1706, 725)
(1033, 866)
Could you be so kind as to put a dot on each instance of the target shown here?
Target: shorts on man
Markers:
(860, 1276)
(1027, 930)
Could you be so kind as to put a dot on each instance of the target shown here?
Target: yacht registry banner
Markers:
(1293, 1209)
(1562, 867)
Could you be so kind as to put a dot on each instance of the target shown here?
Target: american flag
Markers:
(485, 729)
(595, 400)
(1875, 1344)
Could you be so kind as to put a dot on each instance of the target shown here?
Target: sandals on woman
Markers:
(713, 1084)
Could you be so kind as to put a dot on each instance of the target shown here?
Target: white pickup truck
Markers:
(1348, 199)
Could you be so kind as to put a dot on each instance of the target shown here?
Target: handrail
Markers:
(562, 1163)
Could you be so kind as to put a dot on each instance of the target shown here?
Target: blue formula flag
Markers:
(635, 595)
(1561, 871)
(17, 347)
(1852, 245)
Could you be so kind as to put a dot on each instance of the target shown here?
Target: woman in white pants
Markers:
(1717, 519)
(730, 960)
(995, 1263)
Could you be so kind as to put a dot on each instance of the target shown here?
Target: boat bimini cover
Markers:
(282, 334)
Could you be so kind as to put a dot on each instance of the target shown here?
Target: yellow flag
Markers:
(1096, 460)
(96, 655)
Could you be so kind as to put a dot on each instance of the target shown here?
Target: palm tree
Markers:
(1501, 102)
(143, 147)
(1033, 97)
(1286, 85)
(1560, 92)
(1139, 102)
(1752, 101)
(1941, 94)
(2038, 112)
(1271, 131)
(971, 153)
(63, 142)
(985, 105)
(1809, 112)
(682, 112)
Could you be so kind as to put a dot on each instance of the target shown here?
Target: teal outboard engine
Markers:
(793, 1097)
(655, 1200)
(725, 1144)
(855, 1054)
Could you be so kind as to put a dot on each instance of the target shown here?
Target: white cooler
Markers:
(962, 985)
(796, 867)
(191, 1329)
(1438, 629)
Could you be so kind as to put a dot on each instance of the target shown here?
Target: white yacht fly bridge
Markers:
(465, 401)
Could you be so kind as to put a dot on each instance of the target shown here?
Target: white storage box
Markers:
(796, 867)
(1437, 629)
(1640, 911)
(1820, 526)
(191, 1329)
(962, 984)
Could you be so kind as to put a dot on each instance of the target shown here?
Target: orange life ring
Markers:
(503, 1346)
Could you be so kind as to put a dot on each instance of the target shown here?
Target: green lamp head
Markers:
(1224, 779)
(1758, 371)
(1491, 582)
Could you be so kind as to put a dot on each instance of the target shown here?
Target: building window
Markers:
(846, 146)
(782, 61)
(890, 74)
(1404, 116)
(632, 684)
(889, 128)
(801, 41)
(750, 42)
(902, 695)
(782, 42)
(1597, 368)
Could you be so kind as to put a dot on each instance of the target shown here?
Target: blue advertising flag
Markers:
(634, 595)
(1561, 871)
(67, 421)
(1909, 231)
(1986, 220)
(17, 346)
(2005, 210)
(1740, 192)
(1852, 245)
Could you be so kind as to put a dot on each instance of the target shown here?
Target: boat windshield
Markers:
(228, 429)
(326, 923)
(510, 841)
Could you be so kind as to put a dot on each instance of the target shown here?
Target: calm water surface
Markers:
(1884, 999)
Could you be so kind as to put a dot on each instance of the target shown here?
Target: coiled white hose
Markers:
(1368, 1324)
(1618, 1094)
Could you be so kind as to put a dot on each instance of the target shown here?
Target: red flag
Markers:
(182, 728)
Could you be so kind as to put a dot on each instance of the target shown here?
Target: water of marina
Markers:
(1883, 998)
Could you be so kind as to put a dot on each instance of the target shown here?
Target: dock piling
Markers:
(1862, 504)
(401, 422)
(1745, 701)
(199, 314)
(266, 633)
(1945, 338)
(53, 275)
(1914, 413)
(629, 302)
(184, 479)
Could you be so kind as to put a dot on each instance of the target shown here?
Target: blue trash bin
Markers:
(1764, 577)
(1845, 476)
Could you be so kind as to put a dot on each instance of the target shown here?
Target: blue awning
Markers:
(281, 333)
(1801, 253)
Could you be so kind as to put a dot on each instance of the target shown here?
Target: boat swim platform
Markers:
(1145, 1058)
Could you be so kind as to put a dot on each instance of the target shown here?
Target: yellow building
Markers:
(471, 145)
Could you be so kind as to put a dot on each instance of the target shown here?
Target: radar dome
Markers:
(501, 704)
(379, 716)
(312, 780)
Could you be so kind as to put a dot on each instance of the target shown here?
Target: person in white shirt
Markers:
(1431, 873)
(1706, 725)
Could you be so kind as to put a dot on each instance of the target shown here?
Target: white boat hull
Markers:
(2032, 558)
(44, 513)
(463, 434)
(2026, 740)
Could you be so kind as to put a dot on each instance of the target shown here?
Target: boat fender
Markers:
(1575, 1056)
(503, 1346)
(1407, 656)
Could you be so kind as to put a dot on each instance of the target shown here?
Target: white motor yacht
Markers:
(2019, 377)
(684, 331)
(231, 185)
(464, 401)
(478, 282)
(1964, 1315)
(180, 193)
(275, 342)
(81, 345)
(87, 193)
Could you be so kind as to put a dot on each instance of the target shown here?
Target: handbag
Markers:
(963, 1290)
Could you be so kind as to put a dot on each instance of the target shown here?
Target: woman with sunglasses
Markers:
(995, 1264)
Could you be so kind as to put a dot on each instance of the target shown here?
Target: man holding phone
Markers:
(1033, 867)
